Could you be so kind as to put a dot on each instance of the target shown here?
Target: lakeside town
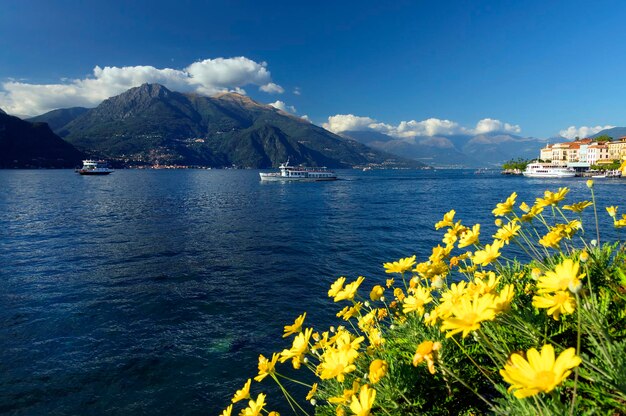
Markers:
(584, 156)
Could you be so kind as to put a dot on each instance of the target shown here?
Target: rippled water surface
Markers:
(152, 292)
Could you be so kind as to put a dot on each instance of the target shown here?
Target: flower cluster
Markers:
(468, 330)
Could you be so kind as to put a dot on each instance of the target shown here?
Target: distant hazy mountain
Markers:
(454, 150)
(152, 124)
(33, 145)
(615, 132)
(59, 118)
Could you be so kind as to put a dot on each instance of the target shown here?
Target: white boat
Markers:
(547, 170)
(297, 173)
(94, 167)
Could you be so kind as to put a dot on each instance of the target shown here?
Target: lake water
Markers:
(153, 292)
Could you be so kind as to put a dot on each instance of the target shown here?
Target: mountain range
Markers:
(481, 150)
(151, 125)
(27, 145)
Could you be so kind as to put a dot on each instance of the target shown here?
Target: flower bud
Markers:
(584, 256)
(589, 183)
(575, 286)
(535, 273)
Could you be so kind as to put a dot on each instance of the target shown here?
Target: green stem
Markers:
(578, 306)
(595, 213)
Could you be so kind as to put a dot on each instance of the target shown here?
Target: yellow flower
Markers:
(561, 302)
(488, 254)
(377, 292)
(470, 237)
(416, 302)
(273, 413)
(366, 321)
(336, 364)
(505, 207)
(299, 347)
(375, 337)
(451, 298)
(447, 220)
(612, 211)
(579, 206)
(524, 207)
(468, 315)
(254, 406)
(389, 282)
(363, 405)
(400, 266)
(481, 287)
(347, 394)
(584, 256)
(349, 291)
(266, 367)
(552, 239)
(244, 393)
(296, 327)
(378, 369)
(507, 232)
(227, 411)
(336, 287)
(350, 311)
(399, 294)
(552, 198)
(427, 351)
(504, 298)
(311, 392)
(532, 213)
(498, 222)
(540, 373)
(564, 276)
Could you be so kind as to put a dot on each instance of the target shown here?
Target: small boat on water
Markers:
(94, 167)
(547, 170)
(298, 173)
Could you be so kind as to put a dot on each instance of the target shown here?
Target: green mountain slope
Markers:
(56, 119)
(33, 145)
(151, 124)
(615, 133)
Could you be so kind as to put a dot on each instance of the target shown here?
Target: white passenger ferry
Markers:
(296, 173)
(547, 170)
(94, 167)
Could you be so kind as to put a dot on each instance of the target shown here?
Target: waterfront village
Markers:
(585, 156)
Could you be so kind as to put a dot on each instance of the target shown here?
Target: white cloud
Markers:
(413, 128)
(489, 125)
(297, 91)
(205, 77)
(306, 118)
(284, 107)
(272, 88)
(348, 122)
(582, 132)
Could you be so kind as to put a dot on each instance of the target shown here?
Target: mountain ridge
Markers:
(480, 150)
(151, 124)
(33, 145)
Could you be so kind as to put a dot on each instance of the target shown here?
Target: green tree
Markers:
(604, 138)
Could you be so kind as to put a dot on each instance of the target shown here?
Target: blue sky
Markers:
(540, 66)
